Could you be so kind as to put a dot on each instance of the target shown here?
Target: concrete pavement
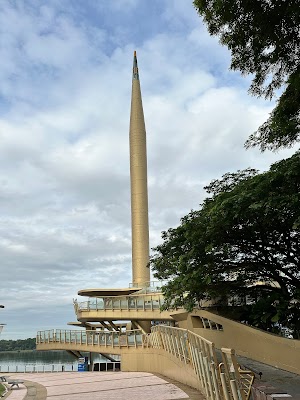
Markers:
(272, 382)
(100, 385)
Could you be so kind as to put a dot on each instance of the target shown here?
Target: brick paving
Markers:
(100, 385)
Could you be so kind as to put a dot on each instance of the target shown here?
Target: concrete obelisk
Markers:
(139, 188)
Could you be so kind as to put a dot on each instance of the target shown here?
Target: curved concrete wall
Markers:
(160, 362)
(247, 341)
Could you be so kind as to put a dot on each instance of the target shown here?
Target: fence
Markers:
(132, 338)
(143, 303)
(149, 287)
(67, 367)
(38, 368)
(219, 380)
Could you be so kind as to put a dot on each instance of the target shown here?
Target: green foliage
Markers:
(247, 232)
(282, 127)
(264, 39)
(20, 344)
(2, 389)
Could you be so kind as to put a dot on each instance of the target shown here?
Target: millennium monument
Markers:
(130, 321)
(139, 187)
(143, 295)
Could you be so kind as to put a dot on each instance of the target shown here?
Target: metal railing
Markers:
(132, 338)
(218, 382)
(237, 381)
(149, 286)
(38, 368)
(59, 367)
(133, 302)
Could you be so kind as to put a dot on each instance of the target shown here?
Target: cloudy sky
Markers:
(65, 89)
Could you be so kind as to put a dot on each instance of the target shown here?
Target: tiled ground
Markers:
(102, 385)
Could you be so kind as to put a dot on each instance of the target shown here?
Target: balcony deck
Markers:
(134, 307)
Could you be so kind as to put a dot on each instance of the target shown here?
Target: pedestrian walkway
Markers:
(100, 385)
(271, 380)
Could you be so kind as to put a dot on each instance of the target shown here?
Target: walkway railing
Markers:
(132, 338)
(149, 286)
(38, 368)
(143, 303)
(224, 380)
(59, 367)
(219, 380)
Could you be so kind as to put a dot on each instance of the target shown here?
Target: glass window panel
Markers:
(107, 303)
(108, 338)
(132, 303)
(96, 337)
(148, 304)
(116, 304)
(100, 304)
(130, 339)
(140, 304)
(78, 337)
(155, 304)
(102, 338)
(116, 338)
(92, 305)
(124, 304)
(138, 339)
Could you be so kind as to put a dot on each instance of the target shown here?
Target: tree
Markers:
(264, 39)
(243, 241)
(19, 344)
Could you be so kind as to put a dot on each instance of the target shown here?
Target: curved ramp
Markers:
(177, 353)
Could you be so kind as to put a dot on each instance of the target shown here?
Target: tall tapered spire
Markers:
(135, 70)
(138, 180)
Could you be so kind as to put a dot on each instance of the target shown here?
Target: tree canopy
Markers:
(264, 39)
(243, 241)
(19, 344)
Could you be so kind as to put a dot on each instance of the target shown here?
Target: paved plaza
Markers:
(99, 385)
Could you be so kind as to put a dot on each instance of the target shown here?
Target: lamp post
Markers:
(1, 325)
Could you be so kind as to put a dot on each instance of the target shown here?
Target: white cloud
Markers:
(64, 153)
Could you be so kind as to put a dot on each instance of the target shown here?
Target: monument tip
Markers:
(135, 74)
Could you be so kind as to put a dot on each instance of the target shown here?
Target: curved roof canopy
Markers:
(107, 292)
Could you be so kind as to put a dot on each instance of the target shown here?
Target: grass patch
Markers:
(2, 389)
